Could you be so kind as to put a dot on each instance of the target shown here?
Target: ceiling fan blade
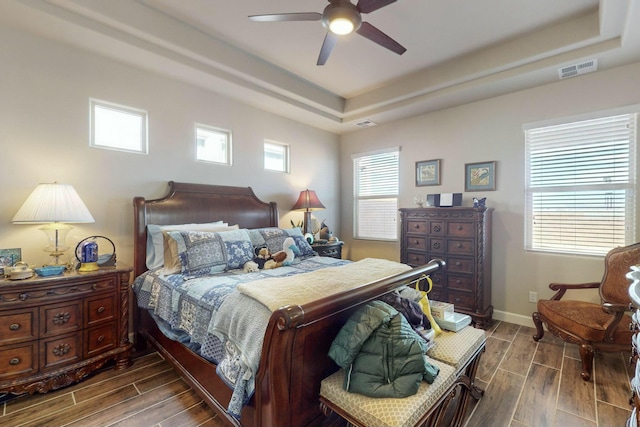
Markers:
(368, 6)
(327, 46)
(281, 17)
(375, 35)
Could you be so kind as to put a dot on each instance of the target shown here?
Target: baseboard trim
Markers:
(517, 319)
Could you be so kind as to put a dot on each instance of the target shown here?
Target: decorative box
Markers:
(441, 310)
(455, 323)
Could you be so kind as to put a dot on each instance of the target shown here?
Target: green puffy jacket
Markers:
(381, 354)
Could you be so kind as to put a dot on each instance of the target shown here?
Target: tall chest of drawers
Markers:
(462, 237)
(56, 330)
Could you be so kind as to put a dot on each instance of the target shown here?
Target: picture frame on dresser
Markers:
(480, 176)
(8, 257)
(428, 172)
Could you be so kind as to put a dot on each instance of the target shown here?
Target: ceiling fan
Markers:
(341, 17)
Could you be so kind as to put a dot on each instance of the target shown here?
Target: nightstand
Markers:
(56, 330)
(331, 249)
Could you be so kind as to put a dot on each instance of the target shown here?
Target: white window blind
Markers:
(376, 195)
(580, 185)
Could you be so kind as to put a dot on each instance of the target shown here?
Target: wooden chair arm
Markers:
(561, 288)
(617, 311)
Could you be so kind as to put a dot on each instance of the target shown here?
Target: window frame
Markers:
(550, 139)
(136, 112)
(390, 231)
(286, 161)
(228, 144)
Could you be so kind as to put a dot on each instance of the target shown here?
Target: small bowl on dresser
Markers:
(50, 270)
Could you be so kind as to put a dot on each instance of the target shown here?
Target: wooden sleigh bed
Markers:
(294, 358)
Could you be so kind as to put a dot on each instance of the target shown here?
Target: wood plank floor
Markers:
(527, 384)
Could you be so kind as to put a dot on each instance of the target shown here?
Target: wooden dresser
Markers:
(56, 330)
(462, 237)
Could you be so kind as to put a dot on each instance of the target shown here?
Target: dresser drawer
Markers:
(60, 351)
(100, 339)
(417, 227)
(436, 228)
(460, 265)
(17, 325)
(100, 309)
(462, 300)
(416, 259)
(460, 229)
(18, 359)
(60, 318)
(455, 281)
(460, 246)
(419, 243)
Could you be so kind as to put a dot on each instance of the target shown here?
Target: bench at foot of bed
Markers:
(442, 403)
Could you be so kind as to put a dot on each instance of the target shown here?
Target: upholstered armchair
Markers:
(593, 327)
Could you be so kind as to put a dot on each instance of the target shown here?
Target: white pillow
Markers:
(155, 245)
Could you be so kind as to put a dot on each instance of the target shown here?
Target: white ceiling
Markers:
(458, 51)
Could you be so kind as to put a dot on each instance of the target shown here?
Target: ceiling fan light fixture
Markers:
(341, 26)
(341, 19)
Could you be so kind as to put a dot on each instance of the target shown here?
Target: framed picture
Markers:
(8, 257)
(480, 176)
(428, 172)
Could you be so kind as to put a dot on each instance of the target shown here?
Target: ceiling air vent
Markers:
(577, 69)
(366, 124)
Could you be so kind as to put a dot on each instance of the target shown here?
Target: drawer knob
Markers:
(416, 226)
(101, 338)
(14, 326)
(458, 281)
(436, 245)
(61, 318)
(459, 228)
(417, 242)
(458, 263)
(15, 361)
(457, 299)
(459, 245)
(24, 297)
(101, 309)
(61, 349)
(436, 228)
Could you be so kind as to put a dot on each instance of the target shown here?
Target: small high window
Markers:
(276, 156)
(117, 127)
(213, 145)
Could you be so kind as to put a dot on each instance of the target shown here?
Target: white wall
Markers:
(485, 131)
(44, 129)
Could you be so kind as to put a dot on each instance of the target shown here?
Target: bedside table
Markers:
(330, 249)
(56, 330)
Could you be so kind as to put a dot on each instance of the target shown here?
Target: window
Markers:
(580, 185)
(276, 156)
(118, 128)
(213, 145)
(376, 185)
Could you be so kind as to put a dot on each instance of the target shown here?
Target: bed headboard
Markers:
(195, 203)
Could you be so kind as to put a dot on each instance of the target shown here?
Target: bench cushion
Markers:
(456, 348)
(388, 412)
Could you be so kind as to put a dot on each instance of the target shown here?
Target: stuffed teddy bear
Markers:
(262, 261)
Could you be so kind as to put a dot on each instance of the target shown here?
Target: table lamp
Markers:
(308, 200)
(55, 205)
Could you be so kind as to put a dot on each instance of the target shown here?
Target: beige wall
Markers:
(485, 131)
(44, 109)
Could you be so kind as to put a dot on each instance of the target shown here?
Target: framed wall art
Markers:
(428, 172)
(480, 176)
(8, 257)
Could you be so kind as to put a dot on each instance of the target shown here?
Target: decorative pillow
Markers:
(273, 238)
(172, 263)
(155, 245)
(203, 253)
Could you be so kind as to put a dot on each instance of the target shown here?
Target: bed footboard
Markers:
(294, 355)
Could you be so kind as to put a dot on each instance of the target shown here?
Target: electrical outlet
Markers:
(533, 296)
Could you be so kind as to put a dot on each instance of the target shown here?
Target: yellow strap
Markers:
(426, 307)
